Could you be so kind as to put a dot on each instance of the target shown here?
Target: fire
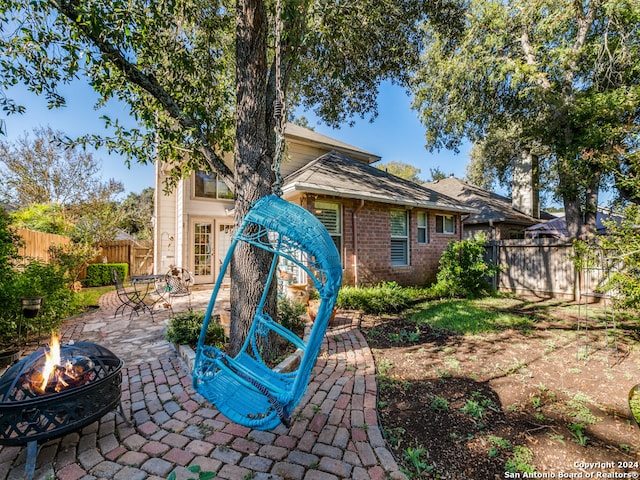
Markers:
(52, 360)
(57, 373)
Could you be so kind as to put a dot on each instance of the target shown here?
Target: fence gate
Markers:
(142, 258)
(542, 267)
(137, 253)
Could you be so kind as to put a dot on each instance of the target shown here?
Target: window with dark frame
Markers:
(209, 185)
(423, 227)
(445, 224)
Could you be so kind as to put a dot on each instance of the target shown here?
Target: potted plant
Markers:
(30, 306)
(314, 304)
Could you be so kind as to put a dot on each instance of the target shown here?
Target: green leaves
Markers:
(172, 75)
(463, 270)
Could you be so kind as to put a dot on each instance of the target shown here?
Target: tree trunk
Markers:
(570, 195)
(254, 177)
(589, 226)
(580, 215)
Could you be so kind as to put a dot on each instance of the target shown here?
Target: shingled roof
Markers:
(490, 206)
(305, 135)
(339, 175)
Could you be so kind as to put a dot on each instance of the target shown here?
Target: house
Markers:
(7, 207)
(557, 228)
(498, 217)
(385, 228)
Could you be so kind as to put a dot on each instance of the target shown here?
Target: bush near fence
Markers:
(99, 274)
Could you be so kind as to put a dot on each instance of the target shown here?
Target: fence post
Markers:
(496, 258)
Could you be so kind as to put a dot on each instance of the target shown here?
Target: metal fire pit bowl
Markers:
(28, 418)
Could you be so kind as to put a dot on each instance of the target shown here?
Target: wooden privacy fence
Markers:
(137, 253)
(36, 244)
(541, 268)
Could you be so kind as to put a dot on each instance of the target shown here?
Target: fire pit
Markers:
(55, 391)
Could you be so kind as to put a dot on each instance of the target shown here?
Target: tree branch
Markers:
(69, 8)
(531, 59)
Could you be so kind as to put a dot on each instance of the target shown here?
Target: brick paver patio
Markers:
(335, 433)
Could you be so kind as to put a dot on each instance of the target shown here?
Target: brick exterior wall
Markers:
(372, 230)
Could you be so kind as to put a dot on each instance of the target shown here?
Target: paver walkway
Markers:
(335, 434)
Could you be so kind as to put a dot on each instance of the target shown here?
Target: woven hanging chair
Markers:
(244, 388)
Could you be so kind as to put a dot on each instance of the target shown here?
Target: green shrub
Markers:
(290, 315)
(184, 329)
(387, 297)
(618, 255)
(37, 279)
(99, 274)
(9, 243)
(31, 279)
(463, 271)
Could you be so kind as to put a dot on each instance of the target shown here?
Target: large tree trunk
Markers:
(254, 177)
(580, 213)
(589, 226)
(570, 195)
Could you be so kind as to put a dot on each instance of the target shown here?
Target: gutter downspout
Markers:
(355, 242)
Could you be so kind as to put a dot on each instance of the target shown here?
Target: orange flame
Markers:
(52, 359)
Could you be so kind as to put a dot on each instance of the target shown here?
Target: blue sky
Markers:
(395, 135)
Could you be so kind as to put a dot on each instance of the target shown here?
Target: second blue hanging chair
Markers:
(244, 388)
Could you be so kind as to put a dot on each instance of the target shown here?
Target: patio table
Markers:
(149, 286)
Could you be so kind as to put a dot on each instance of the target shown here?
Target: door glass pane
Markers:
(224, 242)
(202, 249)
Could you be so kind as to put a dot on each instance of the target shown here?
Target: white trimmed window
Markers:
(445, 224)
(330, 215)
(399, 238)
(423, 227)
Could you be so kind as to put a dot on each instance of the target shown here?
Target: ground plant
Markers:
(386, 297)
(497, 385)
(463, 270)
(184, 329)
(26, 277)
(291, 315)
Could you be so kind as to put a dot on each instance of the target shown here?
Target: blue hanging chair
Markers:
(244, 388)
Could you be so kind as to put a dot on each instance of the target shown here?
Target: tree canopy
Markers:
(41, 170)
(558, 79)
(173, 64)
(402, 170)
(137, 211)
(59, 190)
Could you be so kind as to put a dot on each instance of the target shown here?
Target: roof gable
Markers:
(295, 132)
(490, 206)
(339, 175)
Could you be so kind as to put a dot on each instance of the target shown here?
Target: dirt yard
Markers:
(545, 397)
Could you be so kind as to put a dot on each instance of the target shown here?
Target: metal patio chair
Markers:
(129, 298)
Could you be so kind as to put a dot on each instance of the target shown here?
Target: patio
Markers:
(334, 436)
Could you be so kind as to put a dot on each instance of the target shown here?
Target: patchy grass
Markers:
(468, 317)
(88, 297)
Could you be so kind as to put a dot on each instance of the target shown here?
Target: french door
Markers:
(210, 241)
(202, 251)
